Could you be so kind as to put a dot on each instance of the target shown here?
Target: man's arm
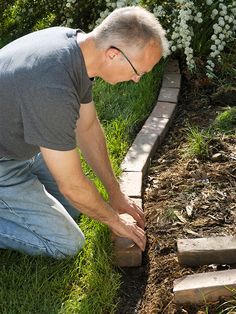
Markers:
(91, 140)
(66, 169)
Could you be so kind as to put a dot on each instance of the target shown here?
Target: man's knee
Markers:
(68, 247)
(76, 245)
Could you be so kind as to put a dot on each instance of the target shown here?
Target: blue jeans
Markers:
(34, 216)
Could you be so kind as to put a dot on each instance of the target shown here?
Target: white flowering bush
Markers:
(198, 29)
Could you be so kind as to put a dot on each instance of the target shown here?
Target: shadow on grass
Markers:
(134, 281)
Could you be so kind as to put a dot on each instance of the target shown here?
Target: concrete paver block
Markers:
(145, 144)
(125, 252)
(164, 110)
(205, 287)
(131, 184)
(138, 202)
(171, 80)
(172, 66)
(169, 94)
(205, 251)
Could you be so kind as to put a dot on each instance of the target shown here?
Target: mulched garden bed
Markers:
(175, 186)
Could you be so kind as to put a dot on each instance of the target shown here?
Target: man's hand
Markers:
(121, 203)
(126, 226)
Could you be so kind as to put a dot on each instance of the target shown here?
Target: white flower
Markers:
(217, 28)
(220, 47)
(222, 7)
(209, 67)
(174, 36)
(210, 63)
(158, 11)
(213, 37)
(221, 22)
(188, 50)
(223, 13)
(215, 12)
(222, 36)
(213, 47)
(209, 2)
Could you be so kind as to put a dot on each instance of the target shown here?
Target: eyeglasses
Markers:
(135, 71)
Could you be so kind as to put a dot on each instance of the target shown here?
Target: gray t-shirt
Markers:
(43, 80)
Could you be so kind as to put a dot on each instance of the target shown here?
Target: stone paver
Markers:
(205, 287)
(145, 144)
(172, 67)
(164, 109)
(171, 80)
(169, 94)
(131, 184)
(138, 201)
(205, 251)
(126, 252)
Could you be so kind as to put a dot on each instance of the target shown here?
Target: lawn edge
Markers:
(137, 160)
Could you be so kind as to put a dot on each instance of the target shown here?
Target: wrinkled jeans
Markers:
(35, 218)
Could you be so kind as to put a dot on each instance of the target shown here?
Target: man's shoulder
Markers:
(38, 41)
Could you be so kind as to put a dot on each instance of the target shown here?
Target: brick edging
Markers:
(137, 159)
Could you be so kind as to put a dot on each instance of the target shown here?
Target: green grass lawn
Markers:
(88, 283)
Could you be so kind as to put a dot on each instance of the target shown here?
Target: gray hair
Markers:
(130, 27)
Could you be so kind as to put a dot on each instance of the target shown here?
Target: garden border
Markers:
(138, 157)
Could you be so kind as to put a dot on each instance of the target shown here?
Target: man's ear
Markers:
(111, 53)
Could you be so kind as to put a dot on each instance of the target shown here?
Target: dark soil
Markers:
(175, 181)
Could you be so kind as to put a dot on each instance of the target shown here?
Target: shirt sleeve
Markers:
(49, 118)
(87, 96)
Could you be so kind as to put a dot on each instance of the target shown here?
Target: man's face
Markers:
(130, 66)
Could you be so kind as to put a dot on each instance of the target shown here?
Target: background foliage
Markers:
(200, 31)
(19, 17)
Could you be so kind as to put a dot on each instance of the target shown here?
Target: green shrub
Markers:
(20, 17)
(225, 122)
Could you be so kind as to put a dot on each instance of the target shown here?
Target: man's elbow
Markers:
(73, 191)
